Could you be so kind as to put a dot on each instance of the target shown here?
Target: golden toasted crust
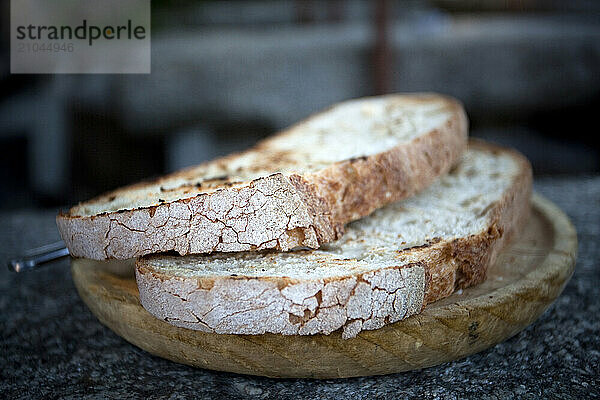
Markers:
(280, 211)
(351, 302)
(355, 188)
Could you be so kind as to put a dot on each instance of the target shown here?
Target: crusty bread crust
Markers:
(355, 188)
(464, 262)
(280, 211)
(281, 305)
(242, 305)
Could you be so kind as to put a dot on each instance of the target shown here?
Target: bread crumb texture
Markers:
(386, 267)
(297, 188)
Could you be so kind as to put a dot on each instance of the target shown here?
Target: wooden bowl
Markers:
(528, 277)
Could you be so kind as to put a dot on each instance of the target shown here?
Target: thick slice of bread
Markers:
(387, 266)
(297, 188)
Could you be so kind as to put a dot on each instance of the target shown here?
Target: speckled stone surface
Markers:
(51, 346)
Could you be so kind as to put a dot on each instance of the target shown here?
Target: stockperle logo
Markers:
(80, 36)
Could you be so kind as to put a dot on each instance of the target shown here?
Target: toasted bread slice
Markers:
(297, 188)
(386, 267)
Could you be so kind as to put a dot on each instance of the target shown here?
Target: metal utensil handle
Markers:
(35, 258)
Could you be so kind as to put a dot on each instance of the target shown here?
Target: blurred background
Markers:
(227, 73)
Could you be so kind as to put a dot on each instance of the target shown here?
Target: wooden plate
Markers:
(527, 278)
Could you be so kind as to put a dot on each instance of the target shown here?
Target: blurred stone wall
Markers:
(225, 74)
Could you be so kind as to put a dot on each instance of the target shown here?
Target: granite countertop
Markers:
(53, 347)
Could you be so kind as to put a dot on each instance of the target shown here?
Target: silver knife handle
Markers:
(35, 258)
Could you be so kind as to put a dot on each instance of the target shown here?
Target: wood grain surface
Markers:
(528, 277)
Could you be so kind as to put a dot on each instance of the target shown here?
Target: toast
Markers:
(297, 188)
(386, 267)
